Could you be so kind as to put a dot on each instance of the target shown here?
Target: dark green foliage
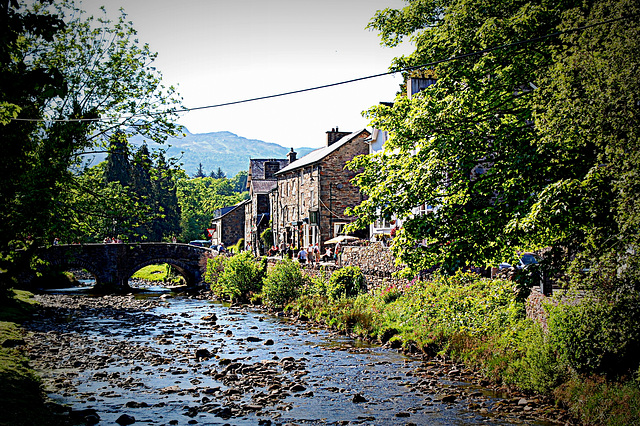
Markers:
(267, 238)
(200, 172)
(283, 283)
(239, 182)
(118, 167)
(240, 278)
(216, 175)
(592, 336)
(346, 282)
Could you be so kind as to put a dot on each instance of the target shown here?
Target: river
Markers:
(162, 359)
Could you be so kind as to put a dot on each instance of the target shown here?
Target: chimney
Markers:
(334, 135)
(292, 156)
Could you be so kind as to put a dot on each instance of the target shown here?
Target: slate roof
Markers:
(263, 186)
(256, 166)
(320, 153)
(225, 210)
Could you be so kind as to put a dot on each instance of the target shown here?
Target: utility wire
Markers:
(325, 86)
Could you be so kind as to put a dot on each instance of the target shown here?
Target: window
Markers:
(338, 228)
(314, 217)
(382, 223)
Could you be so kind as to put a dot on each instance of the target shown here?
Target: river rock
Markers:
(358, 398)
(203, 353)
(136, 404)
(125, 419)
(448, 398)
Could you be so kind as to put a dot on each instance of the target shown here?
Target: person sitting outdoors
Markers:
(302, 256)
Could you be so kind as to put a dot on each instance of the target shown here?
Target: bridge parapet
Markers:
(113, 264)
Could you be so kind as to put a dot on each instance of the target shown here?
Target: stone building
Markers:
(312, 192)
(261, 180)
(228, 224)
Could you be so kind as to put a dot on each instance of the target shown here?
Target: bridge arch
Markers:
(113, 264)
(66, 263)
(183, 269)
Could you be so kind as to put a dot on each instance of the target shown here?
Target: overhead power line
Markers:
(354, 80)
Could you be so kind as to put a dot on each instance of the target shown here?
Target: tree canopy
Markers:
(68, 82)
(508, 146)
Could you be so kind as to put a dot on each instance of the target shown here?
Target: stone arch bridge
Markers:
(113, 264)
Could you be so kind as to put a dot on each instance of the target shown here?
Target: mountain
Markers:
(226, 150)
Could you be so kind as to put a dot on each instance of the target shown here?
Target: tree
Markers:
(200, 172)
(168, 223)
(110, 76)
(519, 148)
(198, 199)
(586, 111)
(466, 144)
(34, 157)
(118, 167)
(59, 64)
(239, 181)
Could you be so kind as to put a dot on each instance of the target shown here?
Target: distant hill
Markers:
(226, 150)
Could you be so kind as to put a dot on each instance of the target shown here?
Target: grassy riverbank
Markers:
(481, 323)
(22, 400)
(586, 359)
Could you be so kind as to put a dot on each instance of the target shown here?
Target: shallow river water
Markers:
(165, 360)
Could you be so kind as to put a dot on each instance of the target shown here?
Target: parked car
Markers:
(525, 260)
(200, 243)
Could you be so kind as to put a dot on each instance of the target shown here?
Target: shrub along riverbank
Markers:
(586, 358)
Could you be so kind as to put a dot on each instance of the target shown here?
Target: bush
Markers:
(267, 238)
(346, 282)
(215, 267)
(595, 336)
(282, 283)
(240, 277)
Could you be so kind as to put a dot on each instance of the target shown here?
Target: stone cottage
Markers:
(308, 204)
(261, 180)
(228, 224)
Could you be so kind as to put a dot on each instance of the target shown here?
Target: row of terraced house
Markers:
(303, 200)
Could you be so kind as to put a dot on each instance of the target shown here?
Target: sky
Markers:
(223, 51)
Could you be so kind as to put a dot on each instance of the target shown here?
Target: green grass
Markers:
(481, 323)
(152, 273)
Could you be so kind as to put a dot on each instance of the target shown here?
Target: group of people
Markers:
(311, 254)
(112, 240)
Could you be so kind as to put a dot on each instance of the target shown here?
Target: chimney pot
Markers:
(292, 156)
(335, 135)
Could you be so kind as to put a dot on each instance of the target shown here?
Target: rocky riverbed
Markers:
(164, 360)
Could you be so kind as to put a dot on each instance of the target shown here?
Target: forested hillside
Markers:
(224, 150)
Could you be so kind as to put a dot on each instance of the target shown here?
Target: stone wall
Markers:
(232, 225)
(535, 307)
(376, 262)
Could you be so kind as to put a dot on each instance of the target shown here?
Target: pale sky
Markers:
(218, 51)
